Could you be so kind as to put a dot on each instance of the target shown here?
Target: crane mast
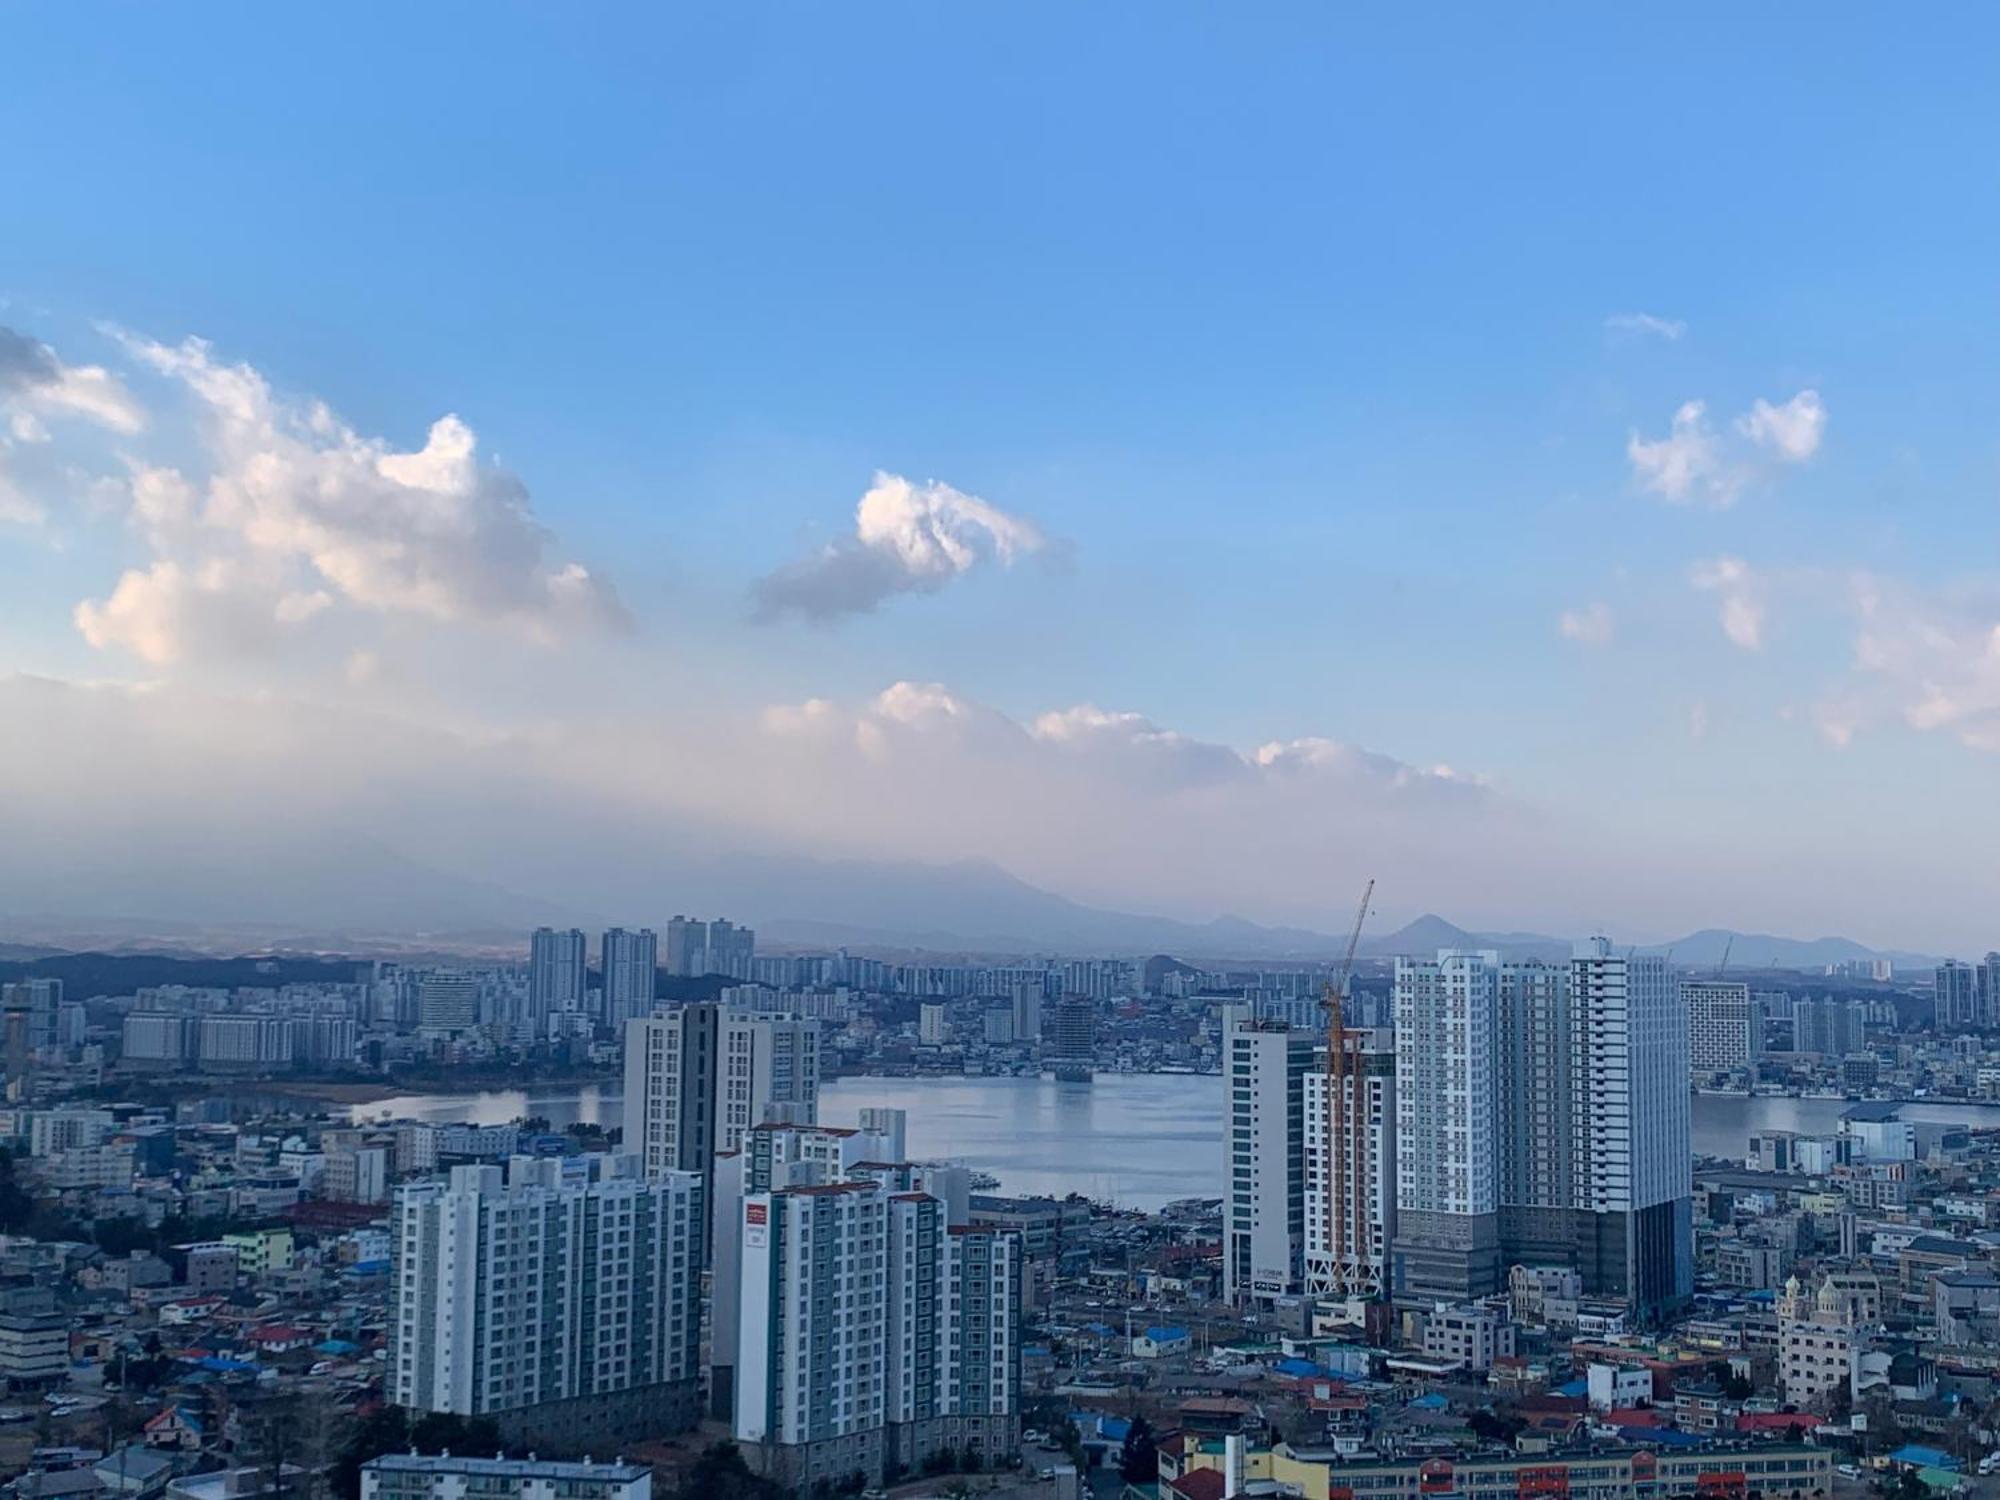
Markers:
(1346, 1163)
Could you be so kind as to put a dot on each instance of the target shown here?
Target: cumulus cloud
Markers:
(908, 538)
(1646, 324)
(1695, 464)
(297, 515)
(1592, 625)
(1740, 598)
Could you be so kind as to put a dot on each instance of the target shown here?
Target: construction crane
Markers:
(1723, 967)
(1346, 1121)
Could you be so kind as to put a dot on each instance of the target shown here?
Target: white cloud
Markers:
(37, 387)
(908, 538)
(1685, 465)
(1592, 625)
(298, 516)
(1694, 463)
(1928, 657)
(1669, 329)
(1740, 598)
(1791, 431)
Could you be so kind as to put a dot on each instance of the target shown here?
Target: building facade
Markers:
(872, 1334)
(1265, 1068)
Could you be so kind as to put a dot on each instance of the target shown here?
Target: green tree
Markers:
(1139, 1460)
(721, 1474)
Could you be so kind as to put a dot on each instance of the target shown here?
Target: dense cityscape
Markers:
(1456, 1224)
(693, 697)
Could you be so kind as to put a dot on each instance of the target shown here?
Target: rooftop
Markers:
(505, 1468)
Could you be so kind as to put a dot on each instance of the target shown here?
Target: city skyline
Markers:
(1184, 506)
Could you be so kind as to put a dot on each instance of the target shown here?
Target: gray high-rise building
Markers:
(1831, 1028)
(696, 948)
(1957, 989)
(1070, 1051)
(631, 963)
(698, 1078)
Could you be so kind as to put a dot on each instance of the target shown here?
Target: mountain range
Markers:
(357, 897)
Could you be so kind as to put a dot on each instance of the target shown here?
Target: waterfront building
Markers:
(555, 974)
(1265, 1067)
(1725, 1026)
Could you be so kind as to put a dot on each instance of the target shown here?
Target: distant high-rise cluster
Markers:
(1967, 996)
(696, 948)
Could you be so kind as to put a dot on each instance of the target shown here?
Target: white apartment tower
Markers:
(1447, 1014)
(560, 1297)
(872, 1334)
(778, 1156)
(1265, 1066)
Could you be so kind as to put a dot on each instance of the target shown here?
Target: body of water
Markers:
(1139, 1139)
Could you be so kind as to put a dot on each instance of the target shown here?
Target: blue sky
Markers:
(1295, 334)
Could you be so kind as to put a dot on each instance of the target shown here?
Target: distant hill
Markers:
(1761, 950)
(1431, 932)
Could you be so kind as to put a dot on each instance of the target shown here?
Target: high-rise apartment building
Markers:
(873, 1334)
(670, 1088)
(1957, 995)
(631, 965)
(1831, 1028)
(1725, 1026)
(1447, 1126)
(447, 1004)
(698, 1077)
(1350, 1167)
(1069, 1048)
(1989, 992)
(555, 973)
(559, 1297)
(1264, 1070)
(1634, 1144)
(933, 1018)
(1542, 1117)
(695, 948)
(1027, 1004)
(778, 1156)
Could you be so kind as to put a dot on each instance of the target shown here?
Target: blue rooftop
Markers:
(1924, 1458)
(1166, 1335)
